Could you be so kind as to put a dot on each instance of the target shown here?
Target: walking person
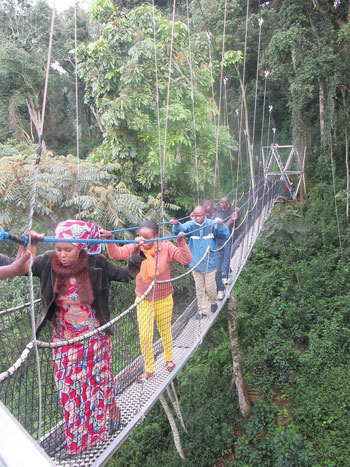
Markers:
(74, 283)
(158, 303)
(203, 233)
(230, 215)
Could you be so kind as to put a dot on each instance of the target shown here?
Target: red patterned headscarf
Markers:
(76, 230)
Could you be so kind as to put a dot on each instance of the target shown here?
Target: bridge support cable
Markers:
(77, 132)
(266, 74)
(161, 171)
(256, 81)
(216, 171)
(163, 154)
(192, 100)
(30, 222)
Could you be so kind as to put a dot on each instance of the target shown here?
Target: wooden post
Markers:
(244, 404)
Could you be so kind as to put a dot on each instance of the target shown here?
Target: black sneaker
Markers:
(214, 307)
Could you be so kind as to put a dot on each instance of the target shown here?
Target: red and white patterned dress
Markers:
(82, 372)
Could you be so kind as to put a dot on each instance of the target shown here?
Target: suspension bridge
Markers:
(28, 390)
(42, 419)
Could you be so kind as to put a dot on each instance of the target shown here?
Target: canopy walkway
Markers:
(42, 417)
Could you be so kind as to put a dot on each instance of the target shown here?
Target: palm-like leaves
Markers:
(64, 190)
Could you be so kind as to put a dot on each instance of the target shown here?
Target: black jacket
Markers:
(5, 260)
(101, 272)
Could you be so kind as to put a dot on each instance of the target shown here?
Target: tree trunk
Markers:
(175, 401)
(244, 403)
(322, 113)
(173, 426)
(298, 131)
(347, 172)
(35, 119)
(302, 177)
(98, 120)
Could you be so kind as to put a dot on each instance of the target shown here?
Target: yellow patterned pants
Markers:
(162, 310)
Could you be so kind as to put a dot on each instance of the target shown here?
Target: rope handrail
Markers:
(19, 307)
(50, 239)
(128, 229)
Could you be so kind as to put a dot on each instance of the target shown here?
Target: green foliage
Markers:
(294, 330)
(24, 35)
(119, 72)
(267, 444)
(14, 292)
(100, 196)
(11, 147)
(321, 410)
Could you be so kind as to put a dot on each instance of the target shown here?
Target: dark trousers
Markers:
(223, 269)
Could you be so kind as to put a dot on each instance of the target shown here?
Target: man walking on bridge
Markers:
(203, 235)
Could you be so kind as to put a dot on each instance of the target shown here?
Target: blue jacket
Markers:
(199, 240)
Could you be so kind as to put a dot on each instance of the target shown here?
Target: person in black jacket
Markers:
(75, 281)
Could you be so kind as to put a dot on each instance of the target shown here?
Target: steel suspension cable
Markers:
(257, 80)
(77, 135)
(212, 82)
(163, 158)
(30, 221)
(161, 210)
(216, 172)
(226, 123)
(151, 316)
(193, 102)
(239, 153)
(266, 74)
(244, 104)
(269, 125)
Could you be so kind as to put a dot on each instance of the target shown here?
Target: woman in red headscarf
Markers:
(74, 281)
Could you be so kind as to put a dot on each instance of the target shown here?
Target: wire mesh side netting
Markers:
(93, 386)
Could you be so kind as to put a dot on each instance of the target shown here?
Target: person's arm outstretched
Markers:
(118, 253)
(16, 267)
(19, 266)
(221, 230)
(129, 272)
(180, 253)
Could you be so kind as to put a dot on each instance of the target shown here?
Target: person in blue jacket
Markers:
(203, 233)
